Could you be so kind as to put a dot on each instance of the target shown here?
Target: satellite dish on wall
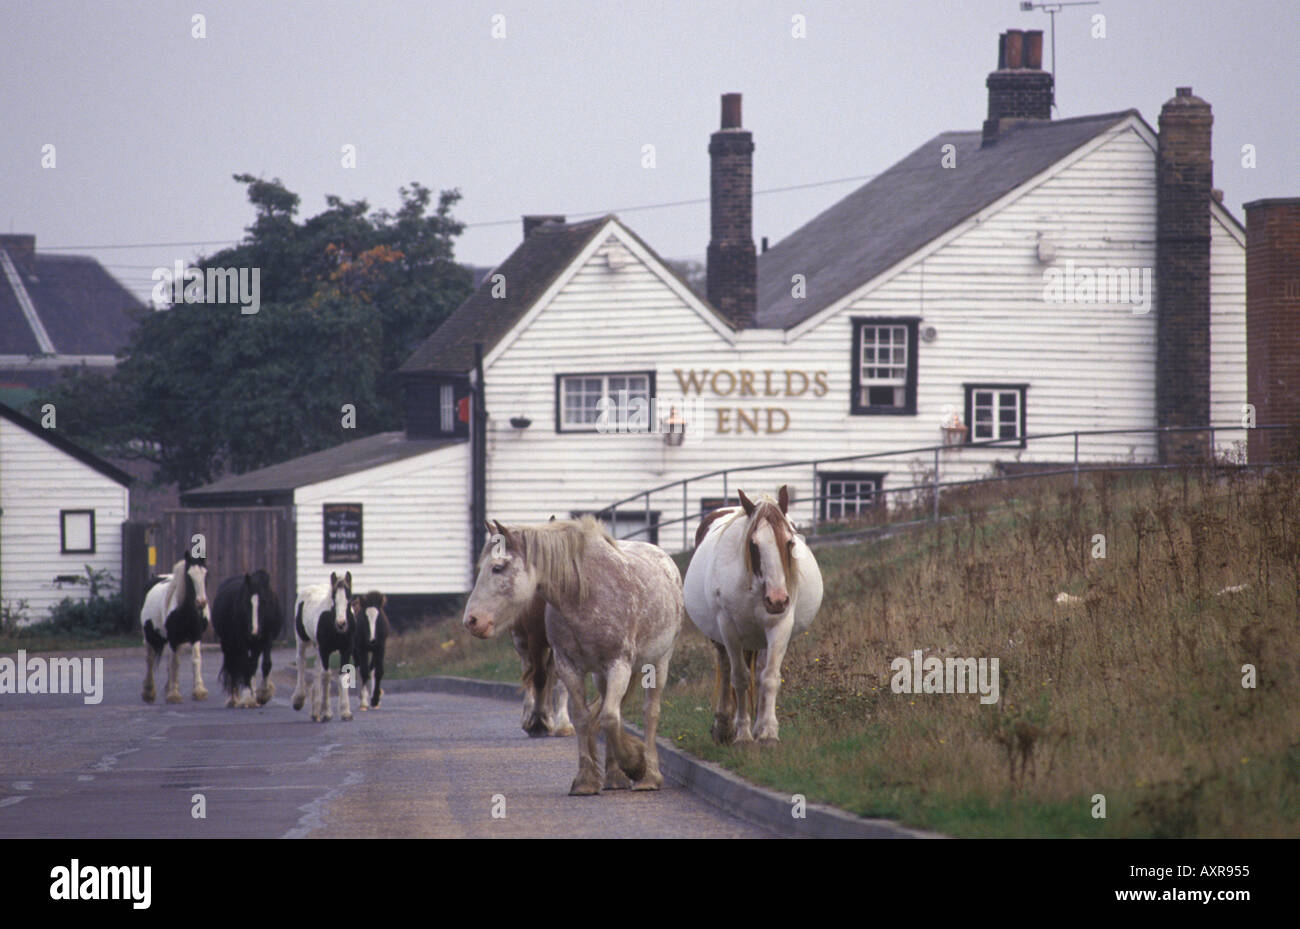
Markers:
(929, 333)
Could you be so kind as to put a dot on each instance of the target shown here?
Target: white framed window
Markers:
(578, 398)
(77, 532)
(884, 366)
(447, 407)
(996, 412)
(849, 495)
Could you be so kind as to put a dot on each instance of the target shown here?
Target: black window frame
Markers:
(856, 407)
(652, 428)
(625, 513)
(995, 442)
(823, 498)
(63, 532)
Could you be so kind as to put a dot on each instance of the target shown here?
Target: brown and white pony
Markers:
(176, 612)
(323, 617)
(546, 699)
(613, 610)
(751, 585)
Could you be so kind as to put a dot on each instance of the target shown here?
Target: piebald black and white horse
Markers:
(323, 617)
(371, 636)
(176, 613)
(247, 620)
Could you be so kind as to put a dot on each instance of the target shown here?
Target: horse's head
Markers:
(368, 609)
(250, 600)
(196, 572)
(769, 548)
(505, 585)
(341, 597)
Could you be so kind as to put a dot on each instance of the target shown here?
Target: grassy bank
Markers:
(1133, 691)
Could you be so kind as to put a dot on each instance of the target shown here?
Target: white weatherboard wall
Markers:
(1227, 329)
(37, 480)
(414, 525)
(1089, 365)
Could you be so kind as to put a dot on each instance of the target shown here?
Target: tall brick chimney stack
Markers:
(1273, 323)
(732, 265)
(1019, 90)
(1184, 185)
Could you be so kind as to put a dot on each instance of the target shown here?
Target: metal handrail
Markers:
(935, 485)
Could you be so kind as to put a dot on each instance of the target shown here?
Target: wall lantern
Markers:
(674, 428)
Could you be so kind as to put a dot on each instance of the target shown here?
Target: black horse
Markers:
(247, 619)
(368, 645)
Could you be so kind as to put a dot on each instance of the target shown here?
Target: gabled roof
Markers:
(528, 272)
(899, 211)
(82, 308)
(279, 480)
(76, 451)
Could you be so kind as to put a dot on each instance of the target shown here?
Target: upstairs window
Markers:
(884, 367)
(579, 399)
(447, 408)
(996, 411)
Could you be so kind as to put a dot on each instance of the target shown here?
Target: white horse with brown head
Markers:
(613, 610)
(751, 585)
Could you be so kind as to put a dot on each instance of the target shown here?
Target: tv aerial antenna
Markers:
(1051, 9)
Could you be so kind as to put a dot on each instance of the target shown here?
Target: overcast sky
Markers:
(149, 123)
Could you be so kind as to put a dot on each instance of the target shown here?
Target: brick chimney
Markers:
(1273, 323)
(1184, 183)
(540, 219)
(21, 249)
(1019, 90)
(732, 265)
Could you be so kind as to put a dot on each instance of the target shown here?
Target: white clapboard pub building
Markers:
(1030, 276)
(61, 510)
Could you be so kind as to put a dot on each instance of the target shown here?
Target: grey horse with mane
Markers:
(613, 611)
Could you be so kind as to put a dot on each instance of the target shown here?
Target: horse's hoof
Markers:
(584, 787)
(263, 698)
(375, 705)
(535, 727)
(721, 731)
(563, 731)
(615, 779)
(326, 718)
(230, 703)
(200, 695)
(147, 696)
(346, 717)
(743, 738)
(175, 698)
(767, 738)
(653, 780)
(363, 707)
(298, 702)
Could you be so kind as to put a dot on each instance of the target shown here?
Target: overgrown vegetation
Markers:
(1132, 688)
(97, 618)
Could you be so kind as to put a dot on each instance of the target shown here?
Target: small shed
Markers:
(61, 511)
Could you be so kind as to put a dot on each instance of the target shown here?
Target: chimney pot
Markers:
(1015, 48)
(1182, 92)
(1034, 49)
(731, 111)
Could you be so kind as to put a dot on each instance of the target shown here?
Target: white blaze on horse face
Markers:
(253, 608)
(199, 576)
(372, 617)
(340, 609)
(775, 595)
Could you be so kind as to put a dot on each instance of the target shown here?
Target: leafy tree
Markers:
(345, 296)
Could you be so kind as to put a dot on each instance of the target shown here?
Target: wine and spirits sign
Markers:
(342, 523)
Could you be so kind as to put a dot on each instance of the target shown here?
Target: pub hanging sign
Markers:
(342, 522)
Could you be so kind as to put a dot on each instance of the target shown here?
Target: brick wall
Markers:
(1273, 322)
(732, 263)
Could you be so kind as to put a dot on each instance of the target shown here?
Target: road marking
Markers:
(311, 819)
(10, 801)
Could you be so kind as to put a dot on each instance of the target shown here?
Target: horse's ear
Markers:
(383, 600)
(552, 519)
(248, 579)
(348, 579)
(783, 498)
(334, 578)
(747, 503)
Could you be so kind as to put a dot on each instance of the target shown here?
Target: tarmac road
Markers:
(424, 765)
